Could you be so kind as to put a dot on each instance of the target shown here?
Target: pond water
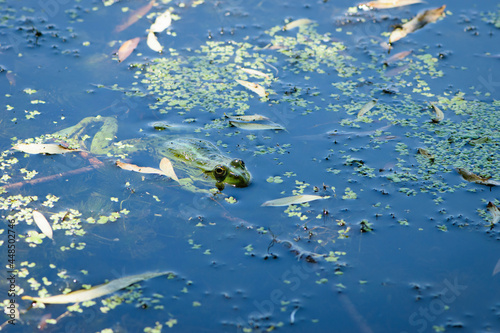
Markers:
(399, 242)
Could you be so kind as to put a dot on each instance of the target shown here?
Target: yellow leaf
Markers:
(42, 223)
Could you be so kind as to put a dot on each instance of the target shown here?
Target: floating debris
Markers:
(367, 107)
(297, 23)
(473, 178)
(127, 48)
(255, 87)
(439, 114)
(168, 169)
(43, 224)
(83, 295)
(162, 22)
(418, 22)
(43, 148)
(293, 200)
(384, 4)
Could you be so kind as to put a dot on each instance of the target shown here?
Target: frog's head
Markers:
(234, 174)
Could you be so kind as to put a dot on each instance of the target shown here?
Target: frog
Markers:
(201, 160)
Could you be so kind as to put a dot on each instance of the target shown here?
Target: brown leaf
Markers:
(135, 16)
(127, 48)
(473, 178)
(494, 211)
(418, 22)
(396, 57)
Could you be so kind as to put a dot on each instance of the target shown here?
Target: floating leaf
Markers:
(497, 268)
(384, 4)
(42, 223)
(168, 169)
(494, 211)
(418, 22)
(127, 48)
(367, 107)
(439, 114)
(256, 88)
(297, 23)
(162, 22)
(256, 126)
(472, 177)
(293, 200)
(254, 72)
(135, 16)
(397, 56)
(133, 167)
(43, 148)
(94, 292)
(153, 43)
(253, 117)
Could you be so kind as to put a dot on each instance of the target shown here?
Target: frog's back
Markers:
(202, 153)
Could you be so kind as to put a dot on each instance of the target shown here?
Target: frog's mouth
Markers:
(223, 174)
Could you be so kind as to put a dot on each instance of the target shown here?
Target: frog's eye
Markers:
(220, 173)
(238, 163)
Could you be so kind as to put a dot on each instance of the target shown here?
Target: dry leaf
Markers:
(253, 117)
(293, 200)
(497, 268)
(256, 126)
(384, 4)
(136, 16)
(168, 169)
(153, 43)
(162, 22)
(367, 107)
(133, 167)
(127, 48)
(42, 223)
(254, 72)
(494, 211)
(256, 88)
(473, 178)
(297, 23)
(439, 114)
(43, 148)
(94, 292)
(418, 22)
(396, 57)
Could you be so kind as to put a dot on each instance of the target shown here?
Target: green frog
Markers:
(199, 159)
